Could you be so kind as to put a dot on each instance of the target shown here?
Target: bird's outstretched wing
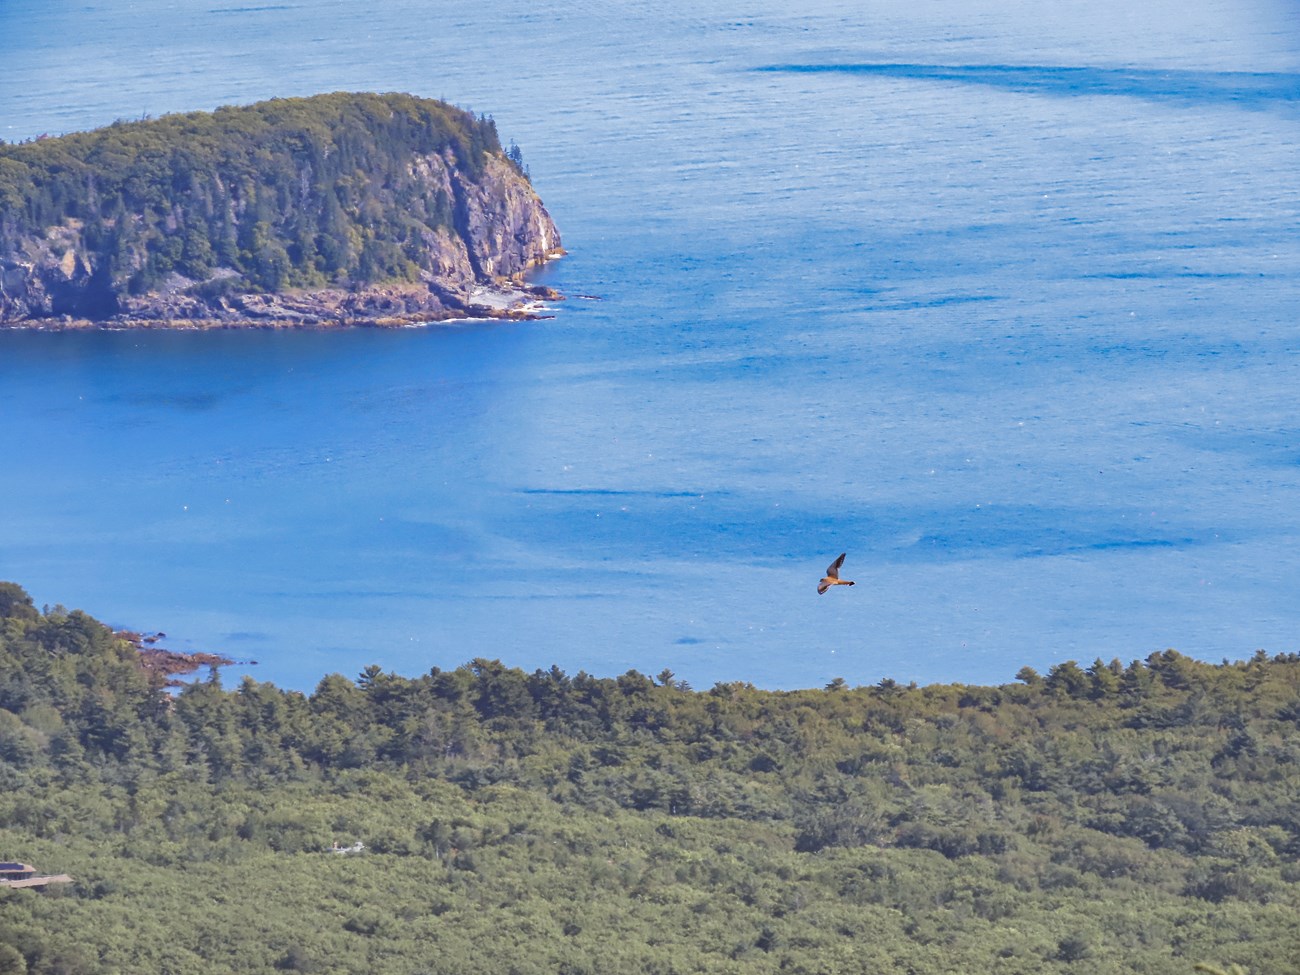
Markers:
(834, 571)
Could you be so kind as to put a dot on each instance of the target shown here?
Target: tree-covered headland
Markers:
(1113, 818)
(342, 190)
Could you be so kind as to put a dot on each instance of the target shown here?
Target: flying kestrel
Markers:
(832, 577)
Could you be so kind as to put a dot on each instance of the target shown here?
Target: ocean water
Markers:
(1001, 300)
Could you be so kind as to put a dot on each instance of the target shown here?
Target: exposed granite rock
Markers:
(502, 223)
(55, 276)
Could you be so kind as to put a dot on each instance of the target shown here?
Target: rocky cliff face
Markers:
(475, 267)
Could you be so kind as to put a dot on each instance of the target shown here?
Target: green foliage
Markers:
(292, 192)
(544, 822)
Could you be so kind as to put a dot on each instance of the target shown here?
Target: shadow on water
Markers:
(1245, 89)
(649, 527)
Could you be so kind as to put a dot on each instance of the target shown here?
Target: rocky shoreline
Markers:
(398, 306)
(167, 665)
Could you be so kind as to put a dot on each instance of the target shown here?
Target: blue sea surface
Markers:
(1000, 299)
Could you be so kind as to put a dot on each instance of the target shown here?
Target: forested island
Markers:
(1113, 818)
(336, 209)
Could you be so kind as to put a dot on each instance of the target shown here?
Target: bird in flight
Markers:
(832, 577)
